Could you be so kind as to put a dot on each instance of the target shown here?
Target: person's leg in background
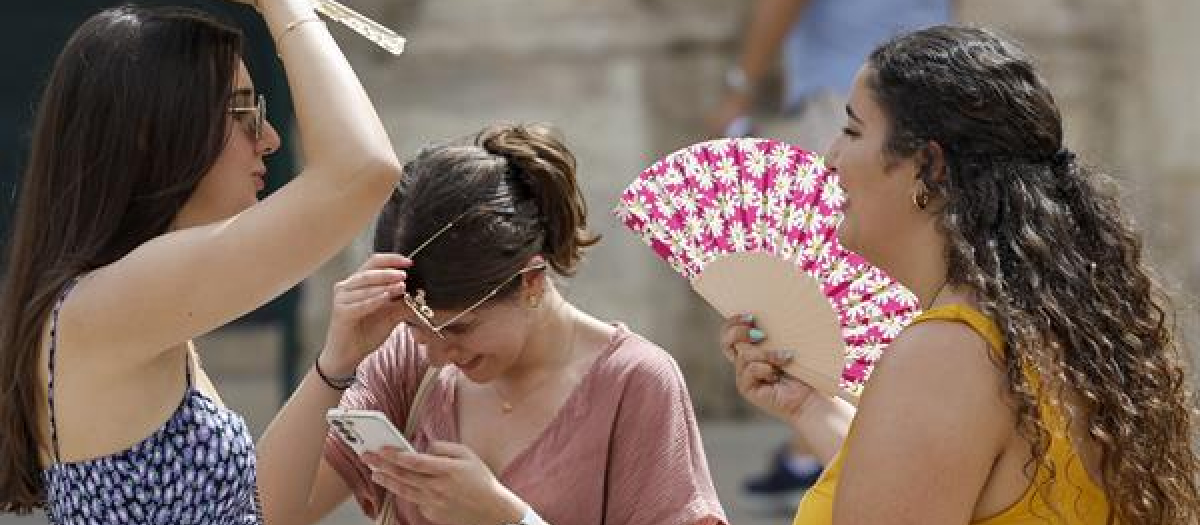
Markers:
(777, 490)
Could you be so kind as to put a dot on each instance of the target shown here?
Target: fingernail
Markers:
(757, 335)
(783, 355)
(747, 318)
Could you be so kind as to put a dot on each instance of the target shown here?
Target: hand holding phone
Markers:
(366, 430)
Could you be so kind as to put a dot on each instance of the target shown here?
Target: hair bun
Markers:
(538, 158)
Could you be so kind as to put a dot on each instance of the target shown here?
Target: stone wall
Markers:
(623, 80)
(628, 80)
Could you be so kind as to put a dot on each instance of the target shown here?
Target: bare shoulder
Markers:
(940, 376)
(930, 425)
(80, 309)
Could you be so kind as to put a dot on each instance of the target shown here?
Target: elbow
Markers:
(273, 515)
(381, 167)
(371, 176)
(387, 172)
(359, 164)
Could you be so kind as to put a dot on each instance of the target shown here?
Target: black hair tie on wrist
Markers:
(336, 383)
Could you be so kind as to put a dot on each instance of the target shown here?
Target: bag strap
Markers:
(387, 511)
(410, 424)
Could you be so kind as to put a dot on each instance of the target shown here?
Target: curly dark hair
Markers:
(1042, 242)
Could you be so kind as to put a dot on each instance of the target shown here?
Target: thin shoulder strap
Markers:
(50, 358)
(962, 313)
(187, 367)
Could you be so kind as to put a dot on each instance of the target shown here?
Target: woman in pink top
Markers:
(536, 412)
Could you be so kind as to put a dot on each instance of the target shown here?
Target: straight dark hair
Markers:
(133, 116)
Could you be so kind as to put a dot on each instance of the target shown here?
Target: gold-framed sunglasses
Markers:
(258, 113)
(416, 302)
(425, 313)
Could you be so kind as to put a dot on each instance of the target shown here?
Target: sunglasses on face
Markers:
(253, 118)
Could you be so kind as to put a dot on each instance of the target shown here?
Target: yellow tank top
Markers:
(1081, 501)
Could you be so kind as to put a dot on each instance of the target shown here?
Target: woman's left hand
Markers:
(450, 485)
(365, 311)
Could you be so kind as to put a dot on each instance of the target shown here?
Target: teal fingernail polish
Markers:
(757, 335)
(747, 318)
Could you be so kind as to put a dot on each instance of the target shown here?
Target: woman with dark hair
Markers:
(531, 407)
(1043, 383)
(138, 228)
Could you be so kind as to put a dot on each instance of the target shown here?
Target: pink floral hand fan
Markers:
(752, 223)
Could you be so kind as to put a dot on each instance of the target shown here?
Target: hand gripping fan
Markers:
(752, 224)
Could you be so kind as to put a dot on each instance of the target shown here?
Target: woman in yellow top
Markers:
(1043, 384)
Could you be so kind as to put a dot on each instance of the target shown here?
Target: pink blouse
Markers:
(623, 450)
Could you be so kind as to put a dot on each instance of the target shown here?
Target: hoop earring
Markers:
(920, 198)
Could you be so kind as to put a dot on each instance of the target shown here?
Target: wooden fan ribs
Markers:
(736, 201)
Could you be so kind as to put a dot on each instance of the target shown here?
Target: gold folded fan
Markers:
(359, 23)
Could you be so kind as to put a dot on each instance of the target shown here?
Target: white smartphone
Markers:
(366, 430)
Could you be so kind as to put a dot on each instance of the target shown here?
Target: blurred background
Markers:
(627, 81)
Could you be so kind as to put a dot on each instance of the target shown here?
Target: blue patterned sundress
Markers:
(196, 469)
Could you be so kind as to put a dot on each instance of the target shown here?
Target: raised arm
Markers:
(192, 280)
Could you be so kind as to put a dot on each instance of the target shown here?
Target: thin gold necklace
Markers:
(508, 405)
